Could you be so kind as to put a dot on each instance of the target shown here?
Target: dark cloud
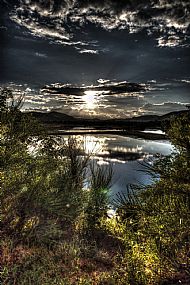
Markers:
(59, 20)
(108, 88)
(163, 108)
(90, 52)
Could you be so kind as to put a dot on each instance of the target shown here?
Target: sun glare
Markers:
(90, 99)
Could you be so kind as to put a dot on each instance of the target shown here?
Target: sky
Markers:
(97, 43)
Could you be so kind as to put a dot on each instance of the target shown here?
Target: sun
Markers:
(90, 99)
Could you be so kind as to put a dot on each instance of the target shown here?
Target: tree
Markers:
(41, 177)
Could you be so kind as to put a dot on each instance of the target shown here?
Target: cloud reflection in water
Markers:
(127, 169)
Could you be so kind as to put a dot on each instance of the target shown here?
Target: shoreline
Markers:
(61, 124)
(134, 134)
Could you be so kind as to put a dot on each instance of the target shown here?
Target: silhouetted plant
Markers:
(98, 203)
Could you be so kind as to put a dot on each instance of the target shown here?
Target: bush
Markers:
(41, 179)
(44, 208)
(155, 221)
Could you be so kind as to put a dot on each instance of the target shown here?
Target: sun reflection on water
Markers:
(95, 145)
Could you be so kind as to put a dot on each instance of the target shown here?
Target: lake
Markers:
(125, 154)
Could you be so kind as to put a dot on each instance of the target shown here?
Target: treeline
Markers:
(54, 221)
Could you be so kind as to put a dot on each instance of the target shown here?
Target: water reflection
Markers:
(94, 145)
(101, 146)
(128, 152)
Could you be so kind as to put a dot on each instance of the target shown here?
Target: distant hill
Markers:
(52, 117)
(62, 121)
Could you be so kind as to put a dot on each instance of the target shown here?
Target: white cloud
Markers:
(91, 51)
(103, 81)
(52, 18)
(171, 41)
(40, 54)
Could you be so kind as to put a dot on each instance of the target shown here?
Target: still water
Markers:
(126, 155)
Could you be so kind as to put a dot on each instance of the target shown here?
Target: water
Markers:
(126, 155)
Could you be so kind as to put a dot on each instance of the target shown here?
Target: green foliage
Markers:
(41, 185)
(44, 207)
(8, 102)
(156, 221)
(178, 131)
(98, 202)
(42, 178)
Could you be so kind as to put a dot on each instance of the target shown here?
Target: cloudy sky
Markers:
(82, 41)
